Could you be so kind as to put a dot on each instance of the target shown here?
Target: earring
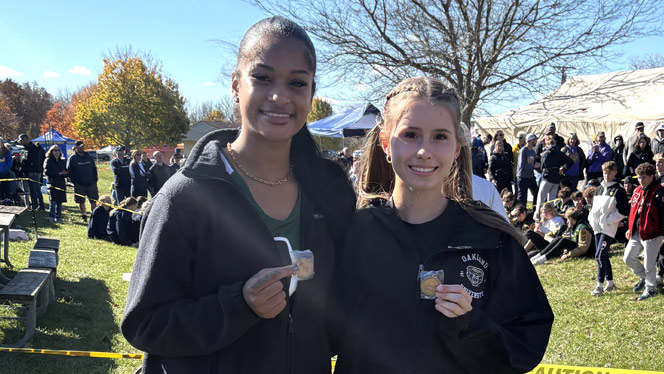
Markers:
(236, 99)
(389, 159)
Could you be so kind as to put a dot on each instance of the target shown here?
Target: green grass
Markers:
(90, 298)
(613, 330)
(610, 331)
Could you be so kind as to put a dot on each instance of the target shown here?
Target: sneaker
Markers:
(51, 219)
(539, 260)
(609, 287)
(639, 285)
(85, 218)
(59, 219)
(598, 291)
(647, 294)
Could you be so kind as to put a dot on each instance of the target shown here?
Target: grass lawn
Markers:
(610, 331)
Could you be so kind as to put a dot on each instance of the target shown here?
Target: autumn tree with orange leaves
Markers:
(61, 116)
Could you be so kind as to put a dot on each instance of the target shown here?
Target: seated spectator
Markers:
(523, 220)
(508, 202)
(580, 204)
(99, 220)
(576, 241)
(119, 226)
(550, 226)
(564, 201)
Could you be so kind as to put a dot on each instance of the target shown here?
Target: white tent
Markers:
(611, 102)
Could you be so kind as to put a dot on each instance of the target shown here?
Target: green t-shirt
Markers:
(289, 228)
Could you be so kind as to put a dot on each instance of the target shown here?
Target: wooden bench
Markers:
(45, 259)
(26, 289)
(48, 243)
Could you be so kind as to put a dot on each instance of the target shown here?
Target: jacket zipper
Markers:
(289, 346)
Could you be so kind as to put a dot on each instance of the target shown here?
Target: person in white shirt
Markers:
(486, 192)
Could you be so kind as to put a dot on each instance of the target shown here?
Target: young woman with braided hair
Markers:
(433, 281)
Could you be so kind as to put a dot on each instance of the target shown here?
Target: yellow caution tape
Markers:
(540, 369)
(99, 202)
(560, 369)
(138, 356)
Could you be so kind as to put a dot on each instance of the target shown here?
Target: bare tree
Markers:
(647, 62)
(203, 111)
(485, 49)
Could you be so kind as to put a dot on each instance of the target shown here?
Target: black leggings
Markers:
(539, 242)
(557, 247)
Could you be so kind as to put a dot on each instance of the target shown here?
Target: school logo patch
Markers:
(475, 275)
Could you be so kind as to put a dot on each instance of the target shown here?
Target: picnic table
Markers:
(7, 216)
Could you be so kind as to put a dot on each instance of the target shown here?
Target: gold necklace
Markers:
(258, 179)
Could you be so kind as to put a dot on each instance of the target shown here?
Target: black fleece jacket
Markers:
(552, 160)
(201, 240)
(390, 329)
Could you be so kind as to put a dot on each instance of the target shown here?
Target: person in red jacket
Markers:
(646, 225)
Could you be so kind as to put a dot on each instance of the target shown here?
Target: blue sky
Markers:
(60, 44)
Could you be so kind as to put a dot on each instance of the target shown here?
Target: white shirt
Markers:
(486, 192)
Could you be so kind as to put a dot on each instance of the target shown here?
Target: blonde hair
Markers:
(376, 176)
(658, 157)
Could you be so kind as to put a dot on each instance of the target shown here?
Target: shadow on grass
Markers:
(80, 318)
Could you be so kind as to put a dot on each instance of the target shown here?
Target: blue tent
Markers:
(353, 122)
(51, 137)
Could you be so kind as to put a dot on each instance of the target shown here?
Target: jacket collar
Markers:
(204, 161)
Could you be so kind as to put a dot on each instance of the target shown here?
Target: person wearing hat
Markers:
(657, 144)
(639, 129)
(550, 131)
(617, 154)
(599, 153)
(83, 174)
(121, 177)
(525, 174)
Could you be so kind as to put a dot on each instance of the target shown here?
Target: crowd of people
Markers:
(619, 200)
(408, 259)
(115, 218)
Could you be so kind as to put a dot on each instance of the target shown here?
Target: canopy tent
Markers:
(353, 122)
(50, 137)
(611, 102)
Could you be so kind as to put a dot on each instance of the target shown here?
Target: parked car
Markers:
(18, 149)
(105, 154)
